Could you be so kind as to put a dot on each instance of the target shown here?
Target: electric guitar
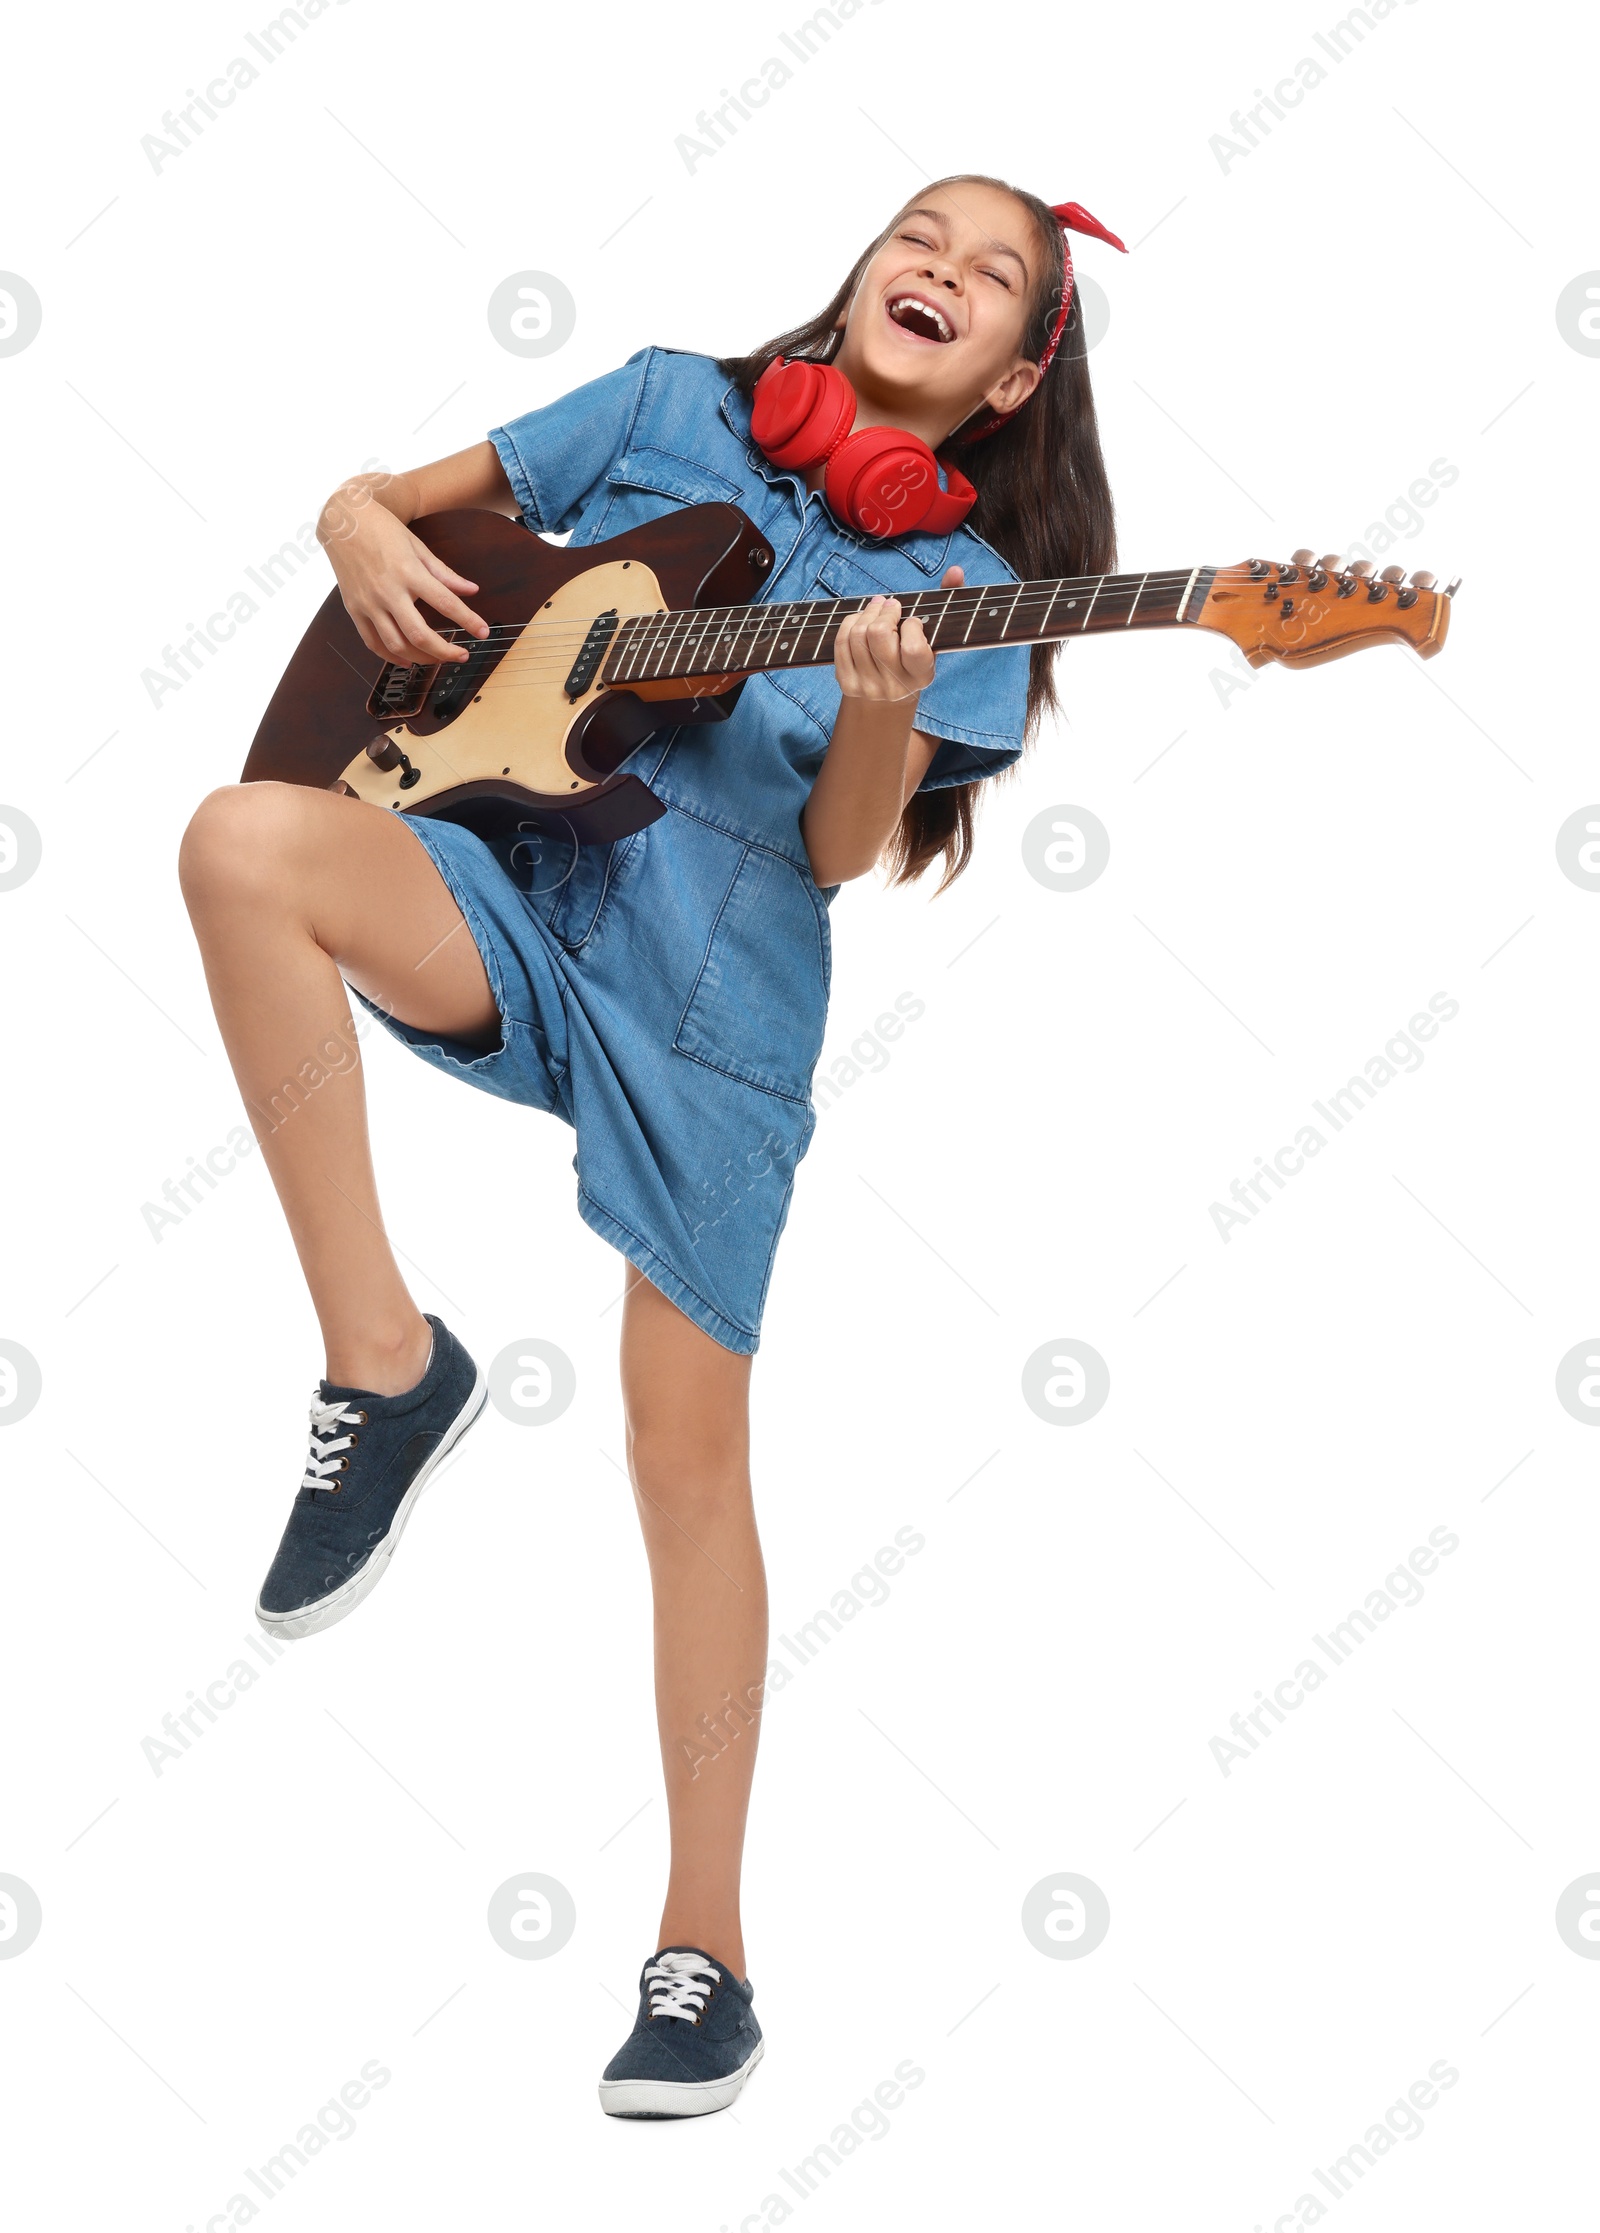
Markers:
(590, 650)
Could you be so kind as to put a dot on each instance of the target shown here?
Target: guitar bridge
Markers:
(399, 692)
(586, 664)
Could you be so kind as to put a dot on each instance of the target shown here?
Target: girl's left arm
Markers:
(876, 756)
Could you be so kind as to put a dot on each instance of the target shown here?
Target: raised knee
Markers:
(240, 839)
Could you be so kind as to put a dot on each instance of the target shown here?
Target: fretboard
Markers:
(749, 639)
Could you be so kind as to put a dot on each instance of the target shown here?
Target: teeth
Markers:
(902, 302)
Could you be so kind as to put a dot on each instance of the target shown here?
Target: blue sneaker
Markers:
(695, 2043)
(370, 1459)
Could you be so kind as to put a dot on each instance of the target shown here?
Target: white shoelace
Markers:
(679, 1983)
(324, 1462)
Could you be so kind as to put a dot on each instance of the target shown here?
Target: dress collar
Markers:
(929, 552)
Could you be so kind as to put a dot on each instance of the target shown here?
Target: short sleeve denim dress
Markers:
(666, 994)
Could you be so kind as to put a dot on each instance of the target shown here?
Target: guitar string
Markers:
(1110, 582)
(710, 625)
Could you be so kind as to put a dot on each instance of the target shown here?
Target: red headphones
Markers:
(882, 481)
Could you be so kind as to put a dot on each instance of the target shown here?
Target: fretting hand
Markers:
(880, 655)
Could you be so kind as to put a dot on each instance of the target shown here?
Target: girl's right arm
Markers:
(382, 568)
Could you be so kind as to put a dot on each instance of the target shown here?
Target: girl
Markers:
(666, 994)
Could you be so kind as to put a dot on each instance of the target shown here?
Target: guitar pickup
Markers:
(586, 665)
(463, 681)
(400, 692)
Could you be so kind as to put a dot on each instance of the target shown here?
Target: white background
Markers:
(1293, 342)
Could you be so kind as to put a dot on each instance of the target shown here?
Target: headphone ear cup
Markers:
(800, 411)
(951, 506)
(885, 482)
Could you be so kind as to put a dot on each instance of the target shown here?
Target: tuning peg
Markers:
(1304, 557)
(1361, 568)
(1393, 574)
(1423, 580)
(1331, 563)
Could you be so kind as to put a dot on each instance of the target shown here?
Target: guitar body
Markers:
(500, 743)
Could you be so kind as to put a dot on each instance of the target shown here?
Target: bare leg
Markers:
(687, 1403)
(287, 888)
(291, 889)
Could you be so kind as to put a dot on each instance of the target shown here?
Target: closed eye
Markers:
(919, 240)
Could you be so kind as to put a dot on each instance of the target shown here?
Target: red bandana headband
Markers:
(1071, 217)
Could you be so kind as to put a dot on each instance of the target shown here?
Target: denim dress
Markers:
(666, 994)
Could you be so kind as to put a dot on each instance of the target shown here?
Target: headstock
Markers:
(1312, 609)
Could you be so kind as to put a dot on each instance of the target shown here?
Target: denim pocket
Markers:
(665, 473)
(568, 885)
(846, 576)
(760, 1002)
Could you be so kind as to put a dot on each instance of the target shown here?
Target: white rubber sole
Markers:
(659, 2097)
(288, 1627)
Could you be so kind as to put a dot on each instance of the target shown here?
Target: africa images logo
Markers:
(1341, 1107)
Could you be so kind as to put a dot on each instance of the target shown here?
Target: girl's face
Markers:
(935, 326)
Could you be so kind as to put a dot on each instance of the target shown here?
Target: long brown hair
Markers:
(1044, 502)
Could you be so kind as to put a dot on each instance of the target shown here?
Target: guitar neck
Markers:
(752, 639)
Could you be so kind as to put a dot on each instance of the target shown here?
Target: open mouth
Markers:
(914, 315)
